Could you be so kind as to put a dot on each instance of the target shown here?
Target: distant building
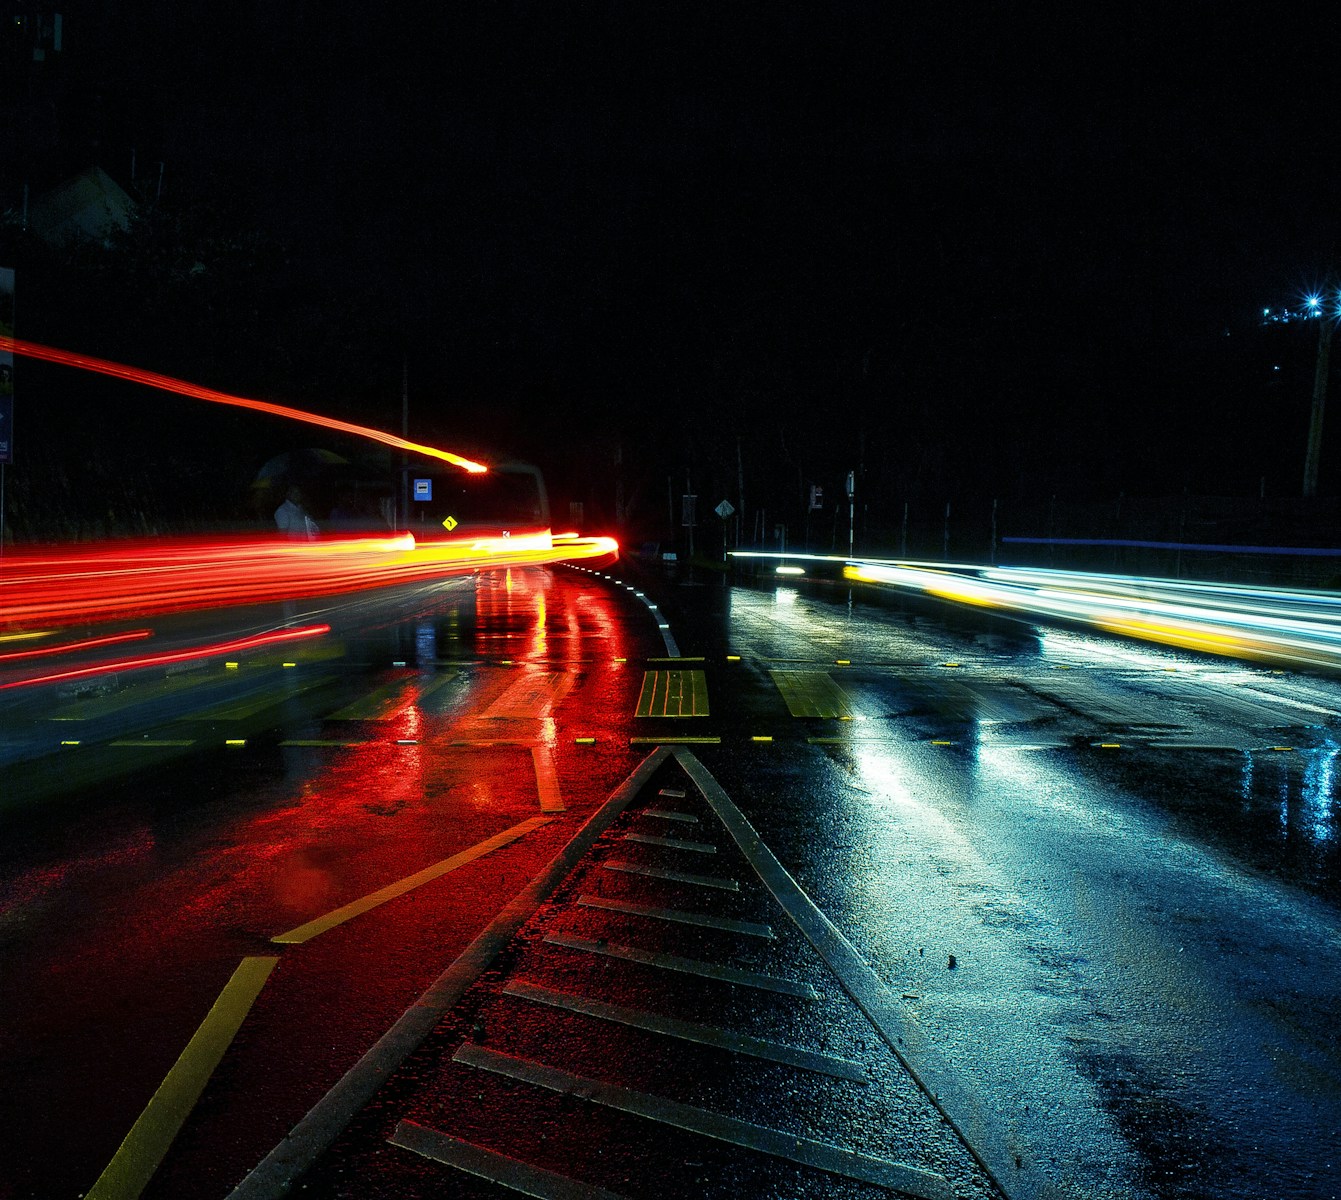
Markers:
(90, 205)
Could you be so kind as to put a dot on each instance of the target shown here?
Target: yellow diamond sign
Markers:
(449, 524)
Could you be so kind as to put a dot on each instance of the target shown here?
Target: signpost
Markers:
(6, 388)
(688, 518)
(724, 510)
(851, 509)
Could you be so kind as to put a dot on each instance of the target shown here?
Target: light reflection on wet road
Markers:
(126, 904)
(1127, 937)
(1102, 878)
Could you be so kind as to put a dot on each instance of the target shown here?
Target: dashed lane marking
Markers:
(691, 1031)
(708, 881)
(493, 1167)
(686, 966)
(356, 908)
(806, 1151)
(134, 1164)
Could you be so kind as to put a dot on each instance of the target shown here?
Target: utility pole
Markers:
(851, 488)
(1326, 327)
(1323, 306)
(405, 434)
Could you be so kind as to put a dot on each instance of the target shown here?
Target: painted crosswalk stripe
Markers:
(823, 1155)
(534, 696)
(679, 916)
(546, 779)
(691, 1031)
(708, 881)
(686, 966)
(391, 699)
(493, 1167)
(647, 839)
(673, 694)
(812, 694)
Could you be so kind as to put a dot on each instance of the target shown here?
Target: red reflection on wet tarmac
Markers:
(274, 837)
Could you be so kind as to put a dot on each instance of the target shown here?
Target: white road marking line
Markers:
(687, 966)
(806, 1151)
(689, 1031)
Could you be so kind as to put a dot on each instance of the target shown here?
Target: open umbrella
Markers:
(295, 466)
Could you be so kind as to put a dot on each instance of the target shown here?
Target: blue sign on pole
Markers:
(423, 489)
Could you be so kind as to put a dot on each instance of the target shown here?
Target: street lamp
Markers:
(1313, 309)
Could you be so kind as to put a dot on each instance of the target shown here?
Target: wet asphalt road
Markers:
(1093, 885)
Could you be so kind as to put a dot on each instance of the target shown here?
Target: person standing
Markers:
(292, 518)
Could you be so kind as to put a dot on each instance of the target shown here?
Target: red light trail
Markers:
(46, 588)
(190, 653)
(167, 383)
(111, 639)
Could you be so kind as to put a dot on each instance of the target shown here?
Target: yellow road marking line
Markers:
(319, 742)
(546, 779)
(134, 1164)
(842, 741)
(154, 742)
(356, 908)
(24, 637)
(675, 741)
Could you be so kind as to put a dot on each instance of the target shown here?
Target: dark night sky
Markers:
(982, 248)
